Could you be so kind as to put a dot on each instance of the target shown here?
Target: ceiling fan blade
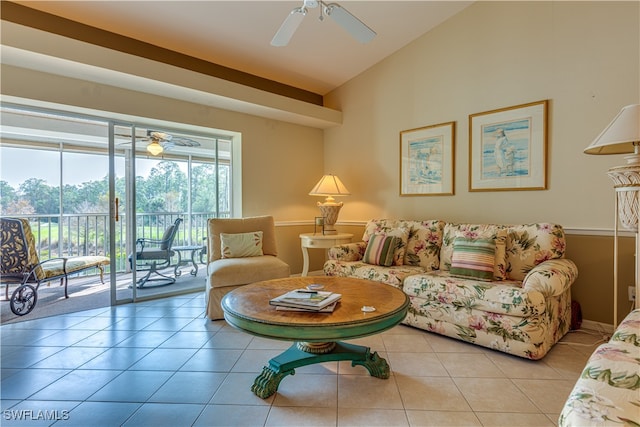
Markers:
(353, 25)
(158, 135)
(288, 27)
(184, 142)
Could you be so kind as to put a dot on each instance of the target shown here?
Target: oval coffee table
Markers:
(317, 335)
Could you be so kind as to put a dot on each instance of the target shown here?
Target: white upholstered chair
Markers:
(225, 274)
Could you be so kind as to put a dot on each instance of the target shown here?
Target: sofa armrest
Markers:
(348, 251)
(552, 277)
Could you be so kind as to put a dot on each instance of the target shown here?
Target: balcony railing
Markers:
(88, 234)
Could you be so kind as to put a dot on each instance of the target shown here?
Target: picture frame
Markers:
(508, 148)
(427, 160)
(318, 223)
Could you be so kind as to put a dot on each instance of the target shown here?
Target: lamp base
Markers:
(626, 181)
(330, 213)
(329, 230)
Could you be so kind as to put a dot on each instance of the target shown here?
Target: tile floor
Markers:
(161, 363)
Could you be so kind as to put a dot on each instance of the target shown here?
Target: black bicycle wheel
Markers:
(23, 300)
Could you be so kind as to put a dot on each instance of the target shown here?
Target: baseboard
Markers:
(591, 325)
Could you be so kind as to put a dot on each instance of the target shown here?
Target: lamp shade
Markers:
(329, 185)
(621, 136)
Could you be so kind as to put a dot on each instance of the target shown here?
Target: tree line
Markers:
(164, 190)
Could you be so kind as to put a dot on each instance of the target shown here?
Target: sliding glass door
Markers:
(94, 186)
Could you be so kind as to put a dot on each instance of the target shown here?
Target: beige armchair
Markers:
(225, 273)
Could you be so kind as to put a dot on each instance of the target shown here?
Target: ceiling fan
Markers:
(161, 141)
(346, 20)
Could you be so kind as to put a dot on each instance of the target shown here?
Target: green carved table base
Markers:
(302, 354)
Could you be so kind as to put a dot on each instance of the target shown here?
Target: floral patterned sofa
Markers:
(519, 302)
(608, 391)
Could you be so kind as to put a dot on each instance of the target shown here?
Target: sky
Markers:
(18, 165)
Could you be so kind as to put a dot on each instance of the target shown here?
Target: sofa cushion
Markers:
(473, 258)
(423, 245)
(240, 271)
(394, 275)
(381, 250)
(476, 231)
(505, 297)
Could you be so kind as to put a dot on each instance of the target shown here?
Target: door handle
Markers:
(117, 209)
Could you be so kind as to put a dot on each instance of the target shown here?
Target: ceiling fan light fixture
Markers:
(155, 148)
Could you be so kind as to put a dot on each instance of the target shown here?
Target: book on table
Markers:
(327, 309)
(304, 299)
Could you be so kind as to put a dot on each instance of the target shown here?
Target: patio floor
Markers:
(86, 292)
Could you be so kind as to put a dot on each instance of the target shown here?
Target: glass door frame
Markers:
(115, 211)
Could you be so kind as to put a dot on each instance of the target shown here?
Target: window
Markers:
(55, 171)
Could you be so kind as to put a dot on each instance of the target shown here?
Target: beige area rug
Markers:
(87, 293)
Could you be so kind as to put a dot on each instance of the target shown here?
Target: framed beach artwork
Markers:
(427, 160)
(508, 148)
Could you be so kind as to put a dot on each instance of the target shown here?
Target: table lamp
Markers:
(330, 186)
(622, 136)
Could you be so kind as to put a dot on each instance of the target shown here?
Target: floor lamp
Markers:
(622, 136)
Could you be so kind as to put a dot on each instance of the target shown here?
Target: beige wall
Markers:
(581, 56)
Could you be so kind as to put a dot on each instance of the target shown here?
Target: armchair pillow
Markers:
(240, 245)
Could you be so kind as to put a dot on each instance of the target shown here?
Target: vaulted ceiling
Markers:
(236, 34)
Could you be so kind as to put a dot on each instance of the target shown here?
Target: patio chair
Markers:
(153, 255)
(20, 265)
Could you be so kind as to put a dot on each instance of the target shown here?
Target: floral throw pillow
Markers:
(241, 245)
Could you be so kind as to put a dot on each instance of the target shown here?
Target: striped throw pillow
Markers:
(381, 250)
(473, 258)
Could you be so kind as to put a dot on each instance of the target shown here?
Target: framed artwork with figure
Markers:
(508, 148)
(427, 160)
